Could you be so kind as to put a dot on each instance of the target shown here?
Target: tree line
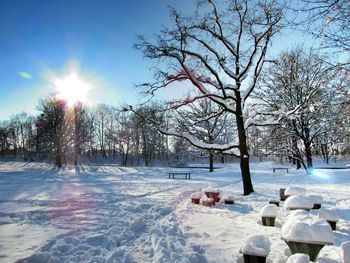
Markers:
(80, 134)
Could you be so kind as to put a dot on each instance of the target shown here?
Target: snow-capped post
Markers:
(294, 191)
(229, 200)
(220, 52)
(298, 258)
(299, 202)
(196, 197)
(256, 249)
(317, 200)
(331, 216)
(283, 197)
(268, 215)
(306, 233)
(274, 202)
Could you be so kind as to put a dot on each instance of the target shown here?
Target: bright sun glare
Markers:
(71, 88)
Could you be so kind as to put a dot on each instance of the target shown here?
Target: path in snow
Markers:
(97, 214)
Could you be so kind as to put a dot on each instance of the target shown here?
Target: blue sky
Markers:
(37, 37)
(41, 37)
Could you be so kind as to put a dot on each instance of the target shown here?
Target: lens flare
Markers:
(71, 88)
(320, 174)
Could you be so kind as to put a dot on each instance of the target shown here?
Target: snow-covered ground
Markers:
(125, 214)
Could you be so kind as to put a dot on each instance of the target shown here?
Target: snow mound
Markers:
(294, 191)
(345, 251)
(207, 199)
(298, 201)
(316, 199)
(258, 245)
(328, 214)
(196, 195)
(298, 258)
(304, 227)
(269, 211)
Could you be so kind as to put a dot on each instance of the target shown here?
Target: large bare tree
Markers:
(220, 50)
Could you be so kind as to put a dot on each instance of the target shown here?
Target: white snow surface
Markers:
(298, 258)
(258, 245)
(108, 213)
(301, 226)
(269, 210)
(295, 191)
(328, 214)
(345, 251)
(298, 201)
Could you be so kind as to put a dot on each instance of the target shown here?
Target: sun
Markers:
(71, 88)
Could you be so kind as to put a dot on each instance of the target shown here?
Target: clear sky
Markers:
(38, 38)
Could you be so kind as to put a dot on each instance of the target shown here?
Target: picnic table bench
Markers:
(187, 175)
(280, 168)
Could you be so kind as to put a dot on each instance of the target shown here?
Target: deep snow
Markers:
(126, 214)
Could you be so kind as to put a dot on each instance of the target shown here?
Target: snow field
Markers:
(116, 214)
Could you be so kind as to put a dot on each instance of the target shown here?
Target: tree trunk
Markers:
(244, 155)
(298, 163)
(211, 161)
(295, 155)
(308, 154)
(222, 159)
(58, 159)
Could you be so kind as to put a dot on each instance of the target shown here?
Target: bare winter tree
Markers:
(53, 129)
(300, 90)
(220, 50)
(81, 130)
(198, 121)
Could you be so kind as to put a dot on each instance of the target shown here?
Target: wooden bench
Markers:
(280, 168)
(187, 175)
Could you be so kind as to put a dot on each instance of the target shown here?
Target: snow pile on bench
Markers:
(269, 211)
(298, 201)
(258, 245)
(304, 227)
(299, 258)
(294, 191)
(328, 214)
(196, 195)
(207, 200)
(316, 199)
(345, 251)
(210, 190)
